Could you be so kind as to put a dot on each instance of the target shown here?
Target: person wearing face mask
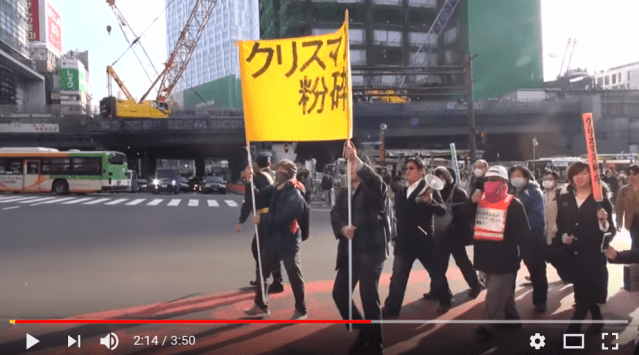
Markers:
(556, 258)
(456, 235)
(500, 226)
(627, 205)
(612, 183)
(283, 235)
(477, 180)
(533, 249)
(416, 205)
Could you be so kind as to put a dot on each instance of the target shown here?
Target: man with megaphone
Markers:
(416, 205)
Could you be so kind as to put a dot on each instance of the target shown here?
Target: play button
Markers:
(31, 341)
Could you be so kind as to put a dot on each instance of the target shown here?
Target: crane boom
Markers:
(111, 73)
(184, 48)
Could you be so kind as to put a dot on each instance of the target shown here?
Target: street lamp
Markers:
(534, 144)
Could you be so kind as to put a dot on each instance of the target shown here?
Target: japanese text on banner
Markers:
(297, 89)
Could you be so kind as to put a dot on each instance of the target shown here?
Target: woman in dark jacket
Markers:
(457, 235)
(581, 225)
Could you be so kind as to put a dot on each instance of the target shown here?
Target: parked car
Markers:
(166, 180)
(214, 184)
(132, 181)
(195, 184)
(143, 185)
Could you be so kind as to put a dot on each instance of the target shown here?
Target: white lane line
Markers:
(53, 201)
(15, 199)
(7, 198)
(213, 203)
(135, 202)
(231, 203)
(77, 201)
(194, 203)
(155, 202)
(10, 208)
(96, 201)
(115, 202)
(37, 200)
(174, 202)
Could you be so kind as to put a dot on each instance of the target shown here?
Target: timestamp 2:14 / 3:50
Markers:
(166, 340)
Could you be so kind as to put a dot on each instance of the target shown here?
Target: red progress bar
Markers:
(182, 321)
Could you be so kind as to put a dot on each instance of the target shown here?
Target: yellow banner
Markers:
(297, 89)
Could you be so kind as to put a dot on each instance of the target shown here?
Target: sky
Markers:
(602, 30)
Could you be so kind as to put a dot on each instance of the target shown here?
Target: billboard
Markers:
(73, 75)
(45, 24)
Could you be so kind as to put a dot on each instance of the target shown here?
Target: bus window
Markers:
(117, 159)
(56, 166)
(11, 166)
(86, 166)
(32, 167)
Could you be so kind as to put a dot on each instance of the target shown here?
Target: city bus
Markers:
(50, 170)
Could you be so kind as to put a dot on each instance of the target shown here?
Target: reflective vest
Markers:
(490, 220)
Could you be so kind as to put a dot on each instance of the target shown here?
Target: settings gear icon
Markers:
(537, 341)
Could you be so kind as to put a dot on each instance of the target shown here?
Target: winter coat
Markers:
(260, 180)
(627, 207)
(587, 263)
(460, 228)
(533, 201)
(367, 205)
(502, 257)
(284, 207)
(550, 212)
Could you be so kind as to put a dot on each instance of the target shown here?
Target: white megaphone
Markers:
(111, 341)
(433, 182)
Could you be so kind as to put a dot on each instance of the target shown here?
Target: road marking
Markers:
(135, 202)
(155, 202)
(174, 202)
(10, 208)
(77, 201)
(37, 200)
(231, 203)
(7, 198)
(115, 202)
(194, 203)
(53, 201)
(213, 203)
(14, 199)
(96, 201)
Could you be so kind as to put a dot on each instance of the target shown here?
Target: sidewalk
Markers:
(416, 338)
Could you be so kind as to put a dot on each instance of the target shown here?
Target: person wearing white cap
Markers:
(500, 225)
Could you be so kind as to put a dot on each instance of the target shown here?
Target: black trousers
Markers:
(367, 269)
(533, 251)
(290, 255)
(405, 257)
(581, 310)
(277, 269)
(449, 246)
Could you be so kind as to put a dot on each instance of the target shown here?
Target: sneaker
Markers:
(256, 311)
(387, 313)
(430, 296)
(540, 307)
(253, 283)
(474, 292)
(276, 287)
(299, 315)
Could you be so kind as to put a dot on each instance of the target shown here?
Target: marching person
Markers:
(624, 257)
(263, 178)
(416, 205)
(283, 235)
(533, 247)
(581, 225)
(551, 194)
(500, 225)
(477, 180)
(627, 205)
(370, 249)
(457, 234)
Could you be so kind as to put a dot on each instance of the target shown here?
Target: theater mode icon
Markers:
(111, 341)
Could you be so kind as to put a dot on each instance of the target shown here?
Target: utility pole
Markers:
(472, 137)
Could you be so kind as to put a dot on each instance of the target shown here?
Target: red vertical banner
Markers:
(34, 20)
(591, 144)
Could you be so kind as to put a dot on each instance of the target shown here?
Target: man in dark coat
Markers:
(264, 177)
(458, 234)
(369, 249)
(624, 257)
(477, 178)
(283, 235)
(416, 205)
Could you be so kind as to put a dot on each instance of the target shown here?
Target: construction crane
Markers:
(572, 41)
(170, 75)
(445, 13)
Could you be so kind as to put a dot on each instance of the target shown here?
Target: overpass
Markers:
(508, 131)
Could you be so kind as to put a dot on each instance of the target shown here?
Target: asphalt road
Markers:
(75, 254)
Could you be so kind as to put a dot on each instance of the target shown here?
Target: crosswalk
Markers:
(108, 201)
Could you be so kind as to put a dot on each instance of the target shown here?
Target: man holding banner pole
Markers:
(365, 235)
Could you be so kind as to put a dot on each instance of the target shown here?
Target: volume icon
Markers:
(111, 341)
(72, 341)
